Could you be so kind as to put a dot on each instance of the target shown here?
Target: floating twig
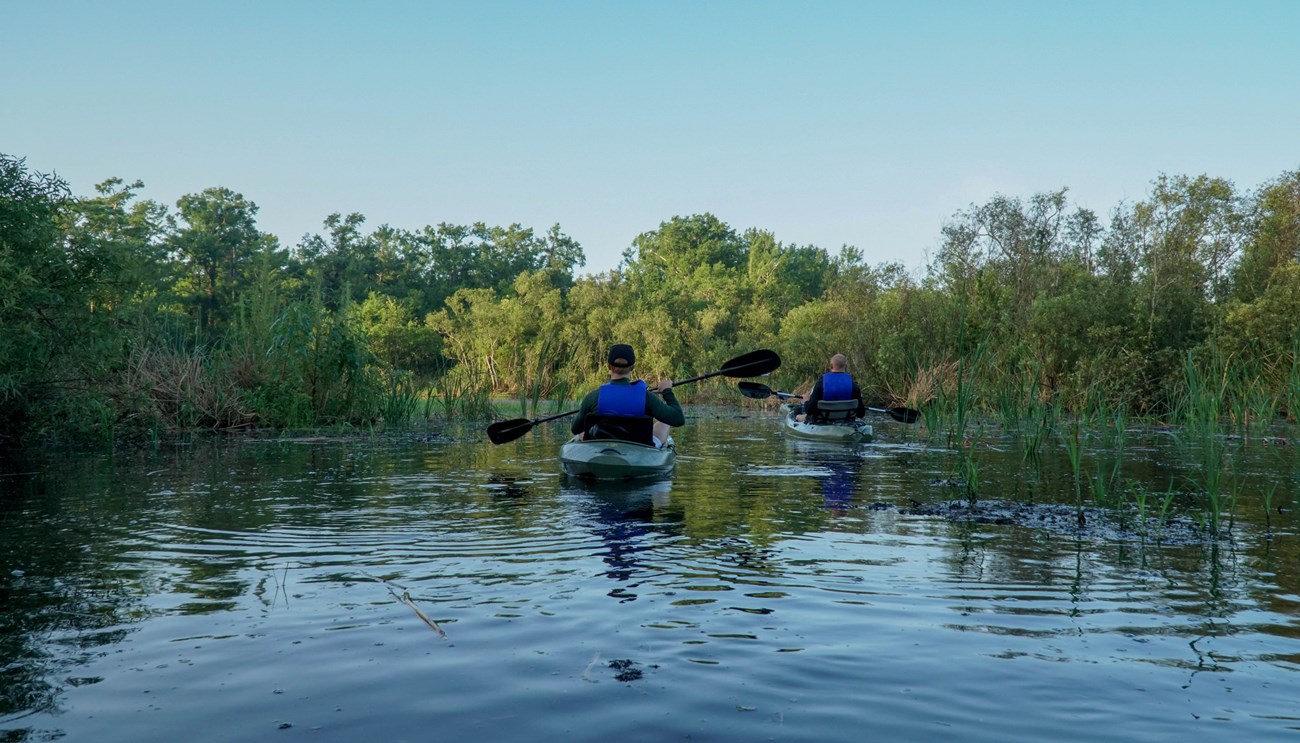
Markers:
(405, 598)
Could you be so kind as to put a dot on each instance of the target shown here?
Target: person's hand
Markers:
(662, 385)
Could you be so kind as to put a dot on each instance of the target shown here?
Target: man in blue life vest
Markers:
(622, 397)
(836, 384)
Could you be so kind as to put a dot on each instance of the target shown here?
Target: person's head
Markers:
(839, 363)
(621, 359)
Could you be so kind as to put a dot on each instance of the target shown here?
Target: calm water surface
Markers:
(771, 590)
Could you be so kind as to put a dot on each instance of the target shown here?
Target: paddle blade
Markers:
(753, 364)
(904, 415)
(503, 431)
(754, 390)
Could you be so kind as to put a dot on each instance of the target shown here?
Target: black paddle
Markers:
(753, 364)
(760, 391)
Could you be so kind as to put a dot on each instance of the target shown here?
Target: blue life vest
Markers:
(837, 386)
(621, 399)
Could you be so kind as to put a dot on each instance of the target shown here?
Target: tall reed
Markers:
(1038, 426)
(963, 406)
(1140, 495)
(1162, 517)
(398, 400)
(1268, 511)
(465, 392)
(1292, 396)
(1072, 440)
(1199, 409)
(1108, 483)
(1024, 404)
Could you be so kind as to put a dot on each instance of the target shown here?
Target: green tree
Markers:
(214, 240)
(58, 340)
(130, 233)
(1190, 234)
(449, 258)
(343, 263)
(1274, 240)
(396, 336)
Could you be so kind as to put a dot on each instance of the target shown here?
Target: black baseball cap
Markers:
(621, 352)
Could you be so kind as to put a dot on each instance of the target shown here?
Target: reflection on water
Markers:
(629, 519)
(842, 465)
(771, 589)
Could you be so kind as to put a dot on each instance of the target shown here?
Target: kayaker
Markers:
(836, 384)
(622, 397)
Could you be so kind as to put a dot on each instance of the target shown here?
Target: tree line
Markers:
(123, 316)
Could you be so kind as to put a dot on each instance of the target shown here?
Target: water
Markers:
(771, 590)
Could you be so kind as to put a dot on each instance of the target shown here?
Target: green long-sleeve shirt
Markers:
(666, 409)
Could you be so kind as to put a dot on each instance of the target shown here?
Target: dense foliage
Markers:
(121, 315)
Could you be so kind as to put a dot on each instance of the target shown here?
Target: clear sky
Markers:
(827, 123)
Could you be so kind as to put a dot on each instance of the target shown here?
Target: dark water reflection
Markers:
(770, 590)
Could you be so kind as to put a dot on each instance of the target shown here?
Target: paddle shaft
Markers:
(756, 390)
(758, 362)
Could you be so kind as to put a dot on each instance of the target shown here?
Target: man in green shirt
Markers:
(622, 397)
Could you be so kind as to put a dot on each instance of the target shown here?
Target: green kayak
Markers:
(611, 459)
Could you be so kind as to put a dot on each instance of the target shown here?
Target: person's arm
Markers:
(861, 412)
(810, 405)
(666, 409)
(588, 405)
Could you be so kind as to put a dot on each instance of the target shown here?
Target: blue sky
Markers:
(827, 123)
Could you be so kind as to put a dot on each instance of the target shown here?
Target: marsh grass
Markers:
(968, 466)
(561, 392)
(1015, 396)
(399, 400)
(178, 388)
(927, 394)
(1107, 483)
(537, 373)
(1252, 407)
(1208, 385)
(463, 392)
(1026, 406)
(964, 399)
(1036, 428)
(959, 400)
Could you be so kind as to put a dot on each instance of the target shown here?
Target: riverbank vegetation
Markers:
(123, 316)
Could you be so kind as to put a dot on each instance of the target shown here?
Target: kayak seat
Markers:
(638, 429)
(836, 410)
